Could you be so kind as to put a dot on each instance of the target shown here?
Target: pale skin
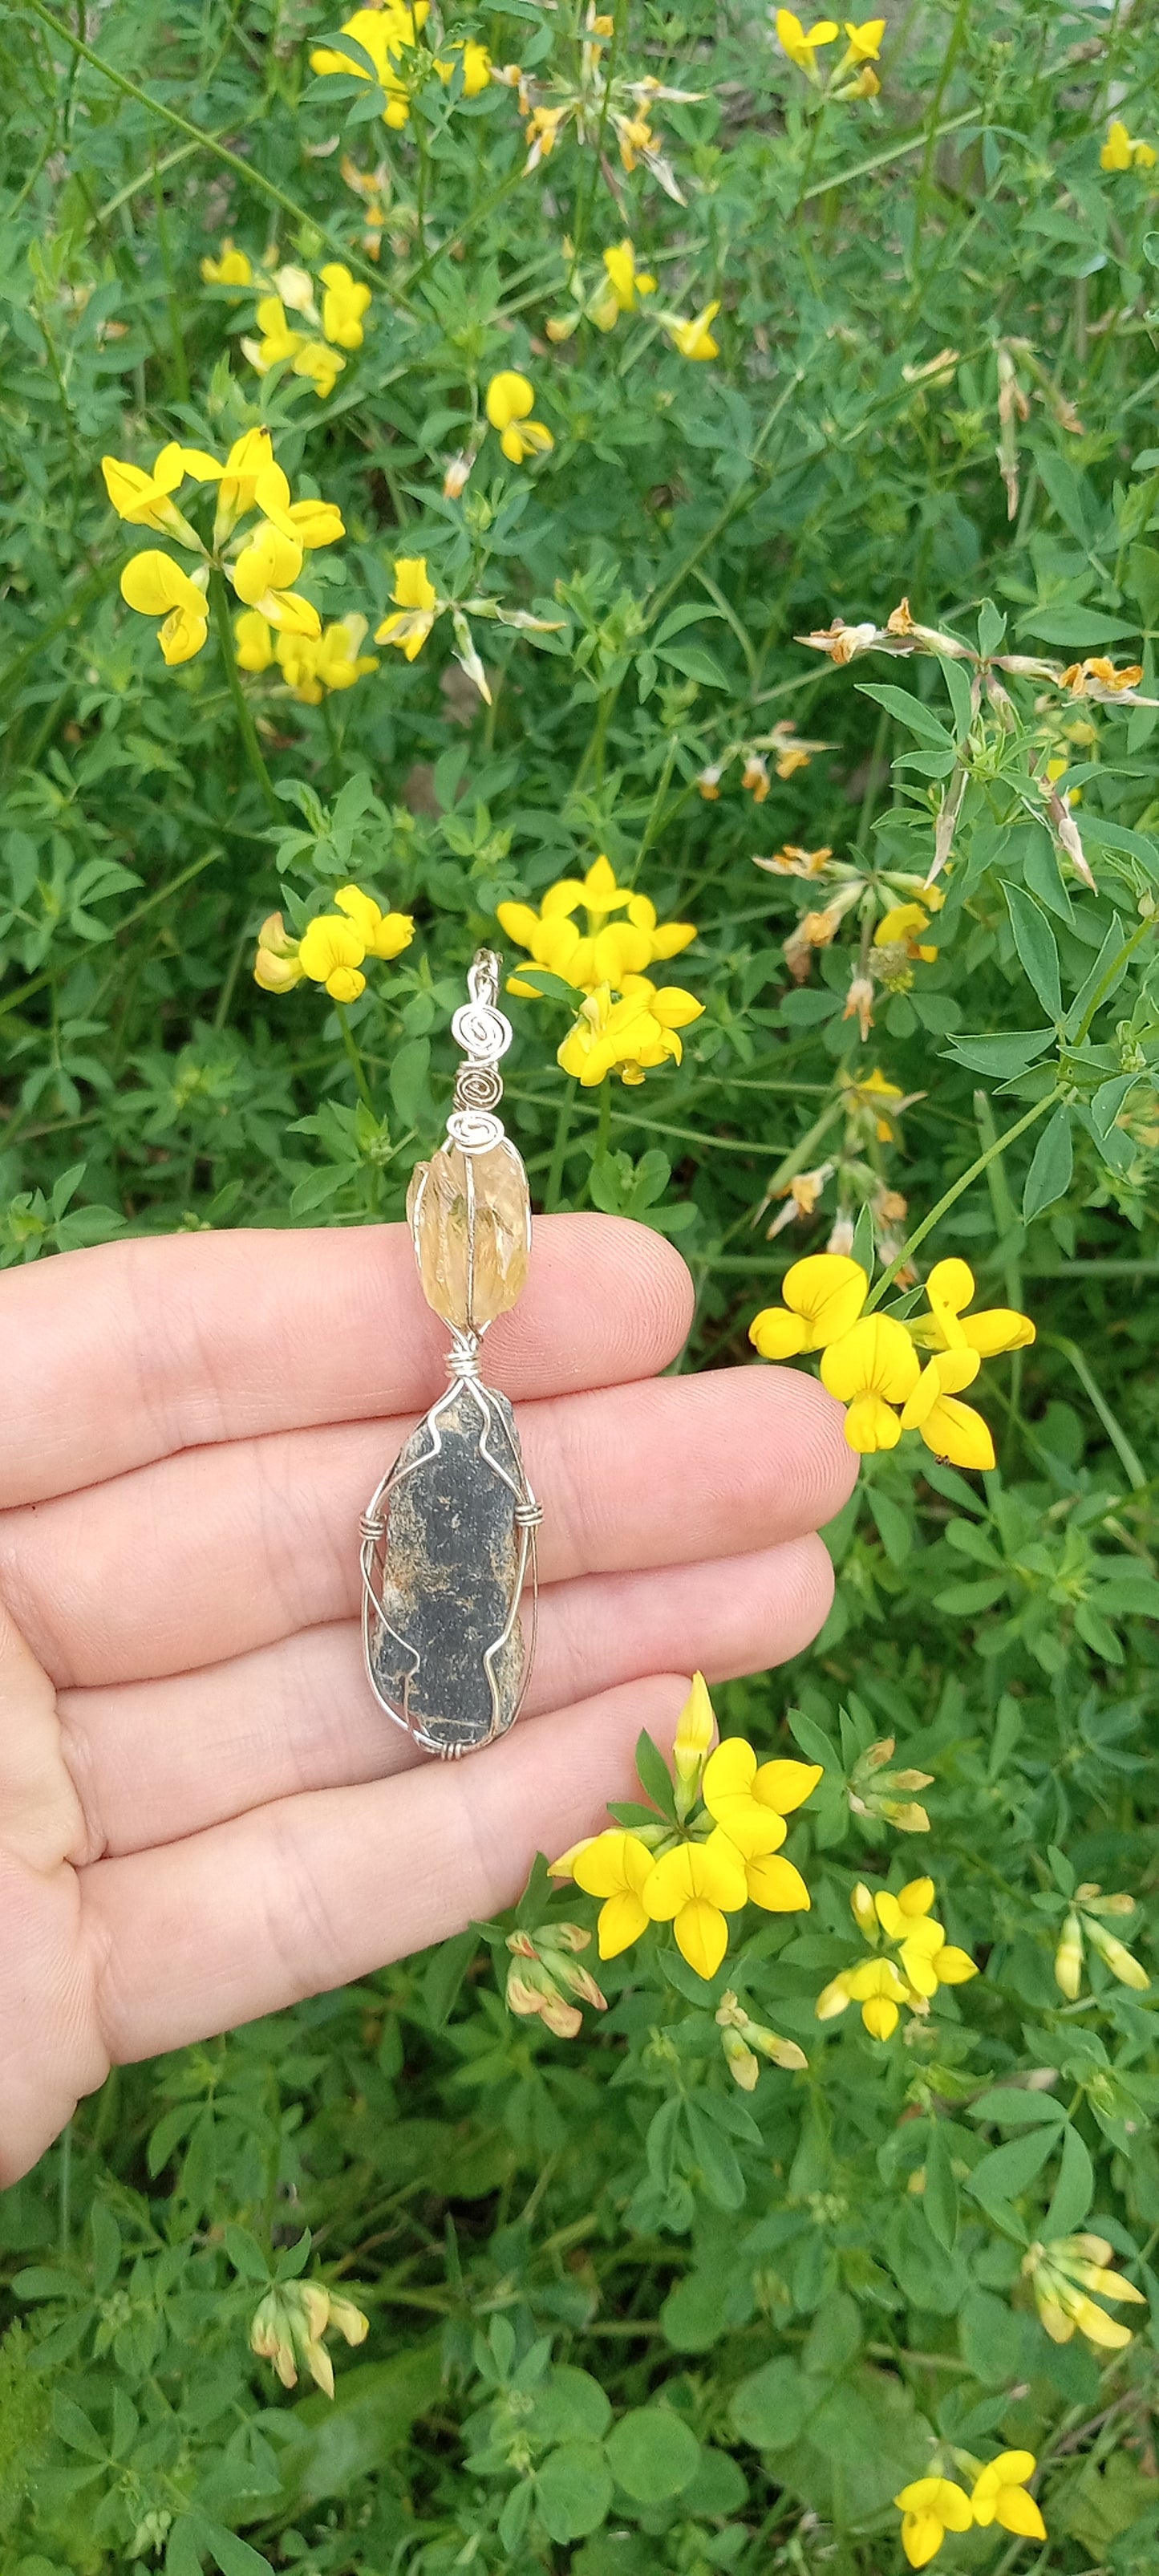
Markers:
(203, 1814)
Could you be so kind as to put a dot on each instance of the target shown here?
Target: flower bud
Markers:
(743, 2067)
(352, 2324)
(270, 2338)
(864, 1912)
(1068, 1958)
(564, 2021)
(457, 474)
(1122, 1962)
(695, 1732)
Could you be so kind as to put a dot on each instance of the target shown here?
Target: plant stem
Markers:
(554, 1187)
(245, 722)
(954, 1193)
(358, 1068)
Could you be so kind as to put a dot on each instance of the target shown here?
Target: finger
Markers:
(133, 1350)
(157, 1760)
(300, 1897)
(235, 1546)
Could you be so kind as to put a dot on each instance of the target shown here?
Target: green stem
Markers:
(604, 1120)
(358, 1068)
(206, 142)
(653, 823)
(954, 1193)
(219, 601)
(1128, 1457)
(800, 1154)
(554, 1189)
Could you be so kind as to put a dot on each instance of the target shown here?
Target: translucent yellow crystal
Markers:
(470, 1216)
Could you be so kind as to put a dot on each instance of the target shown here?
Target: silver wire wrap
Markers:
(484, 1034)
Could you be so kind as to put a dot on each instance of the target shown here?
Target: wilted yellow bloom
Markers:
(999, 2495)
(292, 2319)
(231, 269)
(871, 1369)
(929, 2508)
(419, 604)
(694, 1887)
(629, 1037)
(1123, 151)
(823, 1295)
(509, 401)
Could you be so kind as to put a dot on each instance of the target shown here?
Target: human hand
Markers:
(203, 1813)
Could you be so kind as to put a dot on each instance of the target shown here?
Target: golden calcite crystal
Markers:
(470, 1217)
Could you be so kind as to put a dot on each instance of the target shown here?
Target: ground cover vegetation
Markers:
(673, 492)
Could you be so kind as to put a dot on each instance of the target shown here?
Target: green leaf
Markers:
(834, 2338)
(1008, 1052)
(232, 2554)
(444, 1974)
(720, 2171)
(245, 2253)
(958, 683)
(909, 711)
(75, 2428)
(1037, 947)
(336, 2441)
(694, 663)
(771, 2407)
(940, 2197)
(573, 2490)
(571, 2406)
(1049, 1176)
(693, 2314)
(654, 1775)
(1102, 979)
(1074, 2190)
(652, 2454)
(1081, 630)
(408, 1080)
(1009, 2170)
(1008, 2106)
(677, 619)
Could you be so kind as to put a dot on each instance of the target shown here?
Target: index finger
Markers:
(130, 1351)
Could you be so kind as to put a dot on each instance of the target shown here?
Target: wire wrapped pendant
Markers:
(448, 1538)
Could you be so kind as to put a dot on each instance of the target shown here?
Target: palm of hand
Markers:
(203, 1815)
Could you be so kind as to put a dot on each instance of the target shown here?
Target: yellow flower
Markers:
(865, 41)
(268, 561)
(928, 1960)
(872, 1092)
(823, 1294)
(902, 926)
(947, 1327)
(1123, 151)
(953, 1431)
(615, 1866)
(929, 2508)
(253, 641)
(322, 365)
(751, 1801)
(340, 662)
(609, 952)
(1062, 2274)
(277, 967)
(876, 1985)
(418, 602)
(630, 1036)
(1098, 677)
(311, 666)
(343, 305)
(510, 399)
(801, 47)
(695, 1728)
(144, 500)
(383, 934)
(232, 269)
(1000, 2496)
(330, 952)
(870, 1370)
(158, 587)
(476, 63)
(693, 1887)
(1068, 1958)
(279, 340)
(693, 338)
(385, 34)
(626, 283)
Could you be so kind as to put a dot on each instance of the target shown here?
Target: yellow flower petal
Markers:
(701, 1936)
(776, 1886)
(621, 1921)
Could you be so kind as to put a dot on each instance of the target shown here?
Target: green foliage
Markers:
(623, 2315)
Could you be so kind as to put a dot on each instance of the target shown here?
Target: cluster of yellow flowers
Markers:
(1062, 2276)
(315, 352)
(621, 289)
(1123, 151)
(598, 99)
(853, 76)
(870, 1362)
(261, 564)
(389, 37)
(310, 666)
(930, 2507)
(923, 1959)
(1082, 1918)
(332, 949)
(291, 2321)
(418, 605)
(626, 1025)
(724, 1853)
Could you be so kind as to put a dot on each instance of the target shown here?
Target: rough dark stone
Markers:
(452, 1557)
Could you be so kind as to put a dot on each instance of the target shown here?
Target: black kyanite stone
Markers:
(452, 1559)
